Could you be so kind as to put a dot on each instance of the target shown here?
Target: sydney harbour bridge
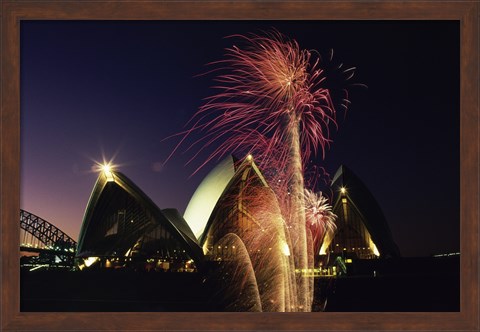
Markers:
(43, 245)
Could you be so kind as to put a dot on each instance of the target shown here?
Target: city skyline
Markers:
(116, 90)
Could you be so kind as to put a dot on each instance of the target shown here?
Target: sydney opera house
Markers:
(231, 251)
(123, 228)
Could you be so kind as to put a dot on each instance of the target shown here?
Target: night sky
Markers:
(94, 90)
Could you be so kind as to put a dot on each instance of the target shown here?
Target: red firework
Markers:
(261, 86)
(320, 218)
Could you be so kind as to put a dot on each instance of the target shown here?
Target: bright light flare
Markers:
(106, 168)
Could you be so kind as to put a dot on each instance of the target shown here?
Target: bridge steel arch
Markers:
(44, 231)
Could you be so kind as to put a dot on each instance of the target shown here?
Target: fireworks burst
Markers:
(272, 101)
(320, 218)
(262, 87)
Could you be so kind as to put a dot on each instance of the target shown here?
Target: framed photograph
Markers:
(155, 192)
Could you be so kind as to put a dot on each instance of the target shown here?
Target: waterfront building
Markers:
(122, 227)
(362, 229)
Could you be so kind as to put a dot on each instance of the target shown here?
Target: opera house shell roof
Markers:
(120, 220)
(361, 224)
(205, 198)
(236, 198)
(227, 186)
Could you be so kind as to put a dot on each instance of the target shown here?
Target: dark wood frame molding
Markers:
(12, 12)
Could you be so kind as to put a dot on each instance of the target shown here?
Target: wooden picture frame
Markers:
(466, 12)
